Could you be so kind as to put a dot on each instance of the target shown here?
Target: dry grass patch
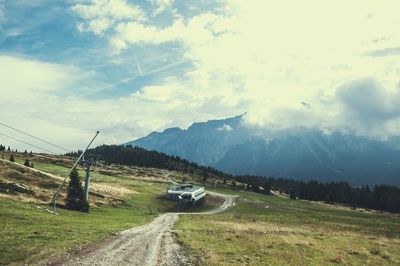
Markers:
(291, 233)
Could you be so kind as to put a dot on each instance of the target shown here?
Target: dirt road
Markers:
(150, 244)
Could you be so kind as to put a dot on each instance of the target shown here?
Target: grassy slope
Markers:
(29, 233)
(287, 232)
(291, 232)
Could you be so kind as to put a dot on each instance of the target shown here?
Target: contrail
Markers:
(153, 71)
(140, 70)
(138, 66)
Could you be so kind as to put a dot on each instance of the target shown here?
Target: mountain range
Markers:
(230, 145)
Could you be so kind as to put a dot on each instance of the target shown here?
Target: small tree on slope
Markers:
(75, 195)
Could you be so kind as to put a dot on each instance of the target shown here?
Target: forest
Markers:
(380, 197)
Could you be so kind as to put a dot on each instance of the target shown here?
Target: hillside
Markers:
(232, 146)
(260, 229)
(379, 197)
(121, 197)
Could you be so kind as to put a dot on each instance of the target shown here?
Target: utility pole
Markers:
(55, 196)
(92, 159)
(87, 180)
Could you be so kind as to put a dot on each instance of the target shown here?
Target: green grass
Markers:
(30, 233)
(290, 232)
(260, 230)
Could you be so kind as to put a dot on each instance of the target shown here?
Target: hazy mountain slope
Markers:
(231, 146)
(204, 143)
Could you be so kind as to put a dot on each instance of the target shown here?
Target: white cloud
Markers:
(137, 33)
(39, 97)
(28, 87)
(103, 14)
(225, 127)
(162, 5)
(256, 56)
(22, 79)
(266, 58)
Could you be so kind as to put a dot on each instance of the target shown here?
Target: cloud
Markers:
(297, 55)
(394, 51)
(100, 15)
(23, 79)
(369, 107)
(225, 127)
(28, 87)
(262, 58)
(136, 33)
(162, 5)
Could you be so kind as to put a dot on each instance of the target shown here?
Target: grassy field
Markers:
(271, 230)
(259, 230)
(30, 234)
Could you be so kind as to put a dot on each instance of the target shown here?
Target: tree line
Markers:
(380, 197)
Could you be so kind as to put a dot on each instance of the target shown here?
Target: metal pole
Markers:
(87, 180)
(54, 199)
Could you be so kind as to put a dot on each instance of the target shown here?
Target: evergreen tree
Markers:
(12, 159)
(75, 195)
(292, 194)
(26, 163)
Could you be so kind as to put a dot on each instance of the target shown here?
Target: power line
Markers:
(27, 143)
(45, 141)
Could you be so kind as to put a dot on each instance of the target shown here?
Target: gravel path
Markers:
(150, 244)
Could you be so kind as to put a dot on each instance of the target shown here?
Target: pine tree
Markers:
(26, 163)
(292, 194)
(75, 195)
(12, 159)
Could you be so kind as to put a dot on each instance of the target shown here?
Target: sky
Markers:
(127, 68)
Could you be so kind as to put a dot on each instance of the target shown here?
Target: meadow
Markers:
(273, 230)
(259, 230)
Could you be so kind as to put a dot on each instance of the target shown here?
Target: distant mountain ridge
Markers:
(231, 146)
